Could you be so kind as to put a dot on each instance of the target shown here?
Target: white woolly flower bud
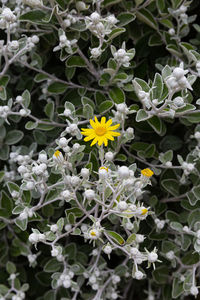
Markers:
(54, 252)
(160, 224)
(32, 258)
(75, 180)
(41, 237)
(171, 31)
(54, 227)
(122, 205)
(178, 73)
(15, 194)
(30, 185)
(23, 112)
(63, 142)
(120, 53)
(14, 45)
(22, 169)
(170, 255)
(23, 215)
(95, 52)
(67, 23)
(19, 99)
(139, 238)
(143, 94)
(95, 17)
(85, 173)
(138, 275)
(42, 157)
(111, 19)
(115, 279)
(194, 290)
(186, 229)
(122, 108)
(67, 112)
(33, 238)
(92, 279)
(67, 283)
(107, 249)
(63, 38)
(95, 286)
(152, 257)
(134, 251)
(66, 194)
(95, 252)
(35, 39)
(197, 135)
(182, 9)
(89, 194)
(129, 226)
(8, 15)
(123, 172)
(68, 227)
(114, 296)
(130, 132)
(178, 101)
(109, 156)
(80, 5)
(168, 164)
(76, 146)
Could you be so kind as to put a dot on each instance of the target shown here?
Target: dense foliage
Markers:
(99, 149)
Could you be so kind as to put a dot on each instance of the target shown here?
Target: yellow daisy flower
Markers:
(100, 132)
(147, 172)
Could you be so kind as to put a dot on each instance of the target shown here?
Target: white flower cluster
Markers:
(19, 296)
(100, 26)
(4, 111)
(181, 13)
(65, 43)
(65, 279)
(34, 3)
(7, 16)
(36, 237)
(177, 80)
(159, 223)
(121, 56)
(188, 167)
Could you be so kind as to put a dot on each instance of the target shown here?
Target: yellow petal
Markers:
(93, 124)
(90, 137)
(108, 123)
(103, 120)
(94, 142)
(109, 137)
(100, 141)
(113, 133)
(105, 142)
(97, 122)
(114, 127)
(88, 132)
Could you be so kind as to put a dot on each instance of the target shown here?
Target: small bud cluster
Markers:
(177, 81)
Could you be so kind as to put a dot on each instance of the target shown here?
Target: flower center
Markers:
(144, 211)
(104, 168)
(93, 233)
(57, 153)
(100, 131)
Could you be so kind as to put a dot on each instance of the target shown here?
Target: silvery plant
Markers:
(99, 149)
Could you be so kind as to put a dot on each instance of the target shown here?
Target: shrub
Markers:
(100, 149)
